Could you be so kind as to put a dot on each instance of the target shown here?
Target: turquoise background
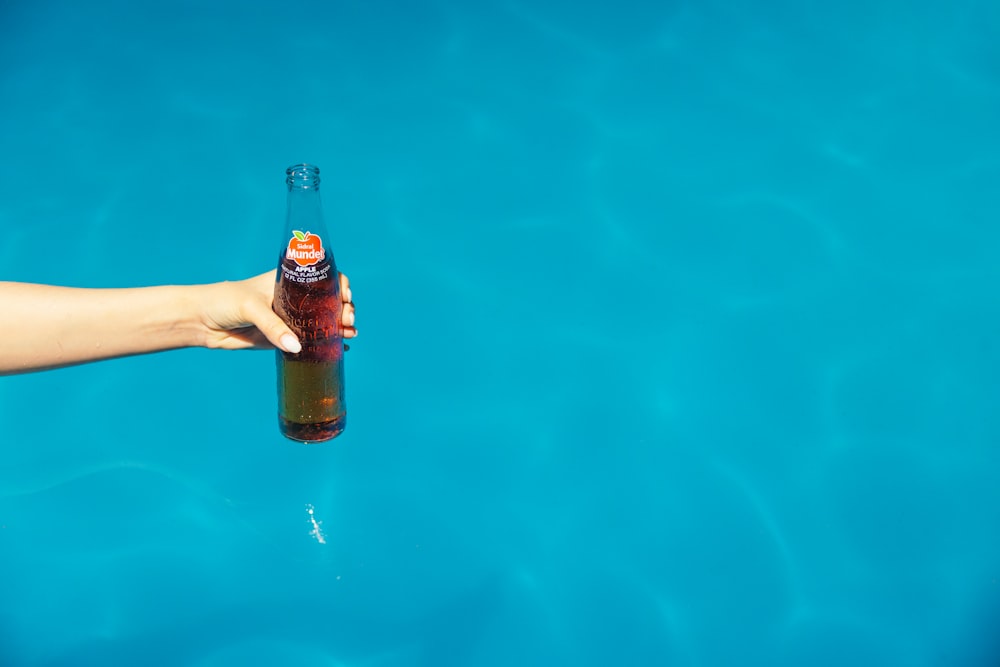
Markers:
(678, 334)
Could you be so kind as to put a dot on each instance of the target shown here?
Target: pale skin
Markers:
(45, 326)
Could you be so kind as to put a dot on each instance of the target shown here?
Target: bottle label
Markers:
(305, 248)
(305, 259)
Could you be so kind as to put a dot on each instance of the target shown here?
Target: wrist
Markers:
(183, 324)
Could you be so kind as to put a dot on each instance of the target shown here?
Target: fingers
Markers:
(347, 320)
(347, 315)
(269, 324)
(345, 289)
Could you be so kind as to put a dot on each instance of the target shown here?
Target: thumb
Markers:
(273, 328)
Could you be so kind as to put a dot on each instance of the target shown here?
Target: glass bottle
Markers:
(311, 404)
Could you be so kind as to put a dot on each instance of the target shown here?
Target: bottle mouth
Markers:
(302, 176)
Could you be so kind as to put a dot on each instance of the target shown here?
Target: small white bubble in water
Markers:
(315, 530)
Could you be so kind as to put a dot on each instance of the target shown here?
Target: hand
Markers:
(237, 315)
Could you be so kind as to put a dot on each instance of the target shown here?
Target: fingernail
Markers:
(290, 343)
(350, 319)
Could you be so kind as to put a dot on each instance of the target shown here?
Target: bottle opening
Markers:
(302, 176)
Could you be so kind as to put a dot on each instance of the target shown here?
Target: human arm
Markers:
(45, 326)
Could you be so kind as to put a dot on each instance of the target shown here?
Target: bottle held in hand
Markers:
(311, 404)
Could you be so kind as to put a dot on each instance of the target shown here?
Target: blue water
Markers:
(678, 334)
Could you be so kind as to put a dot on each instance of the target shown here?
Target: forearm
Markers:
(43, 326)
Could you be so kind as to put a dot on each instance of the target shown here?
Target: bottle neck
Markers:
(305, 210)
(302, 177)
